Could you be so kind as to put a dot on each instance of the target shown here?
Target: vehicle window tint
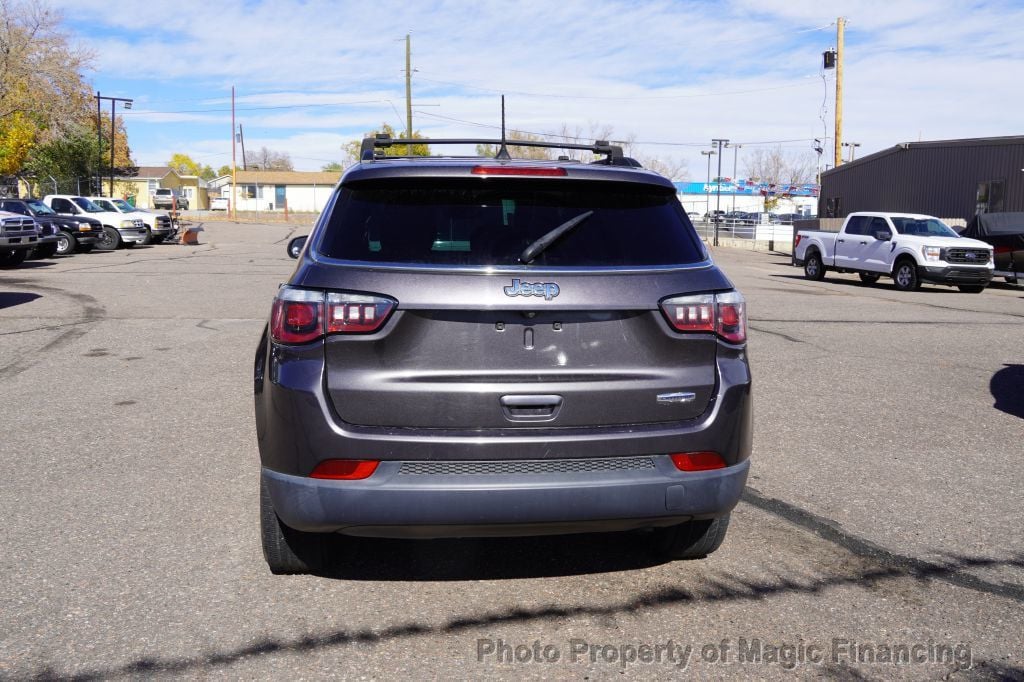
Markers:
(878, 224)
(490, 222)
(923, 227)
(62, 205)
(14, 207)
(857, 224)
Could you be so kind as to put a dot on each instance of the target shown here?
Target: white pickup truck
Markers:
(908, 247)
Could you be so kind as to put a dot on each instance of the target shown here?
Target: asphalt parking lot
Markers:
(883, 509)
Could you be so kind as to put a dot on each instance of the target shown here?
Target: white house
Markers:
(260, 190)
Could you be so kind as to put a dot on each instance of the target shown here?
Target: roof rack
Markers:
(612, 152)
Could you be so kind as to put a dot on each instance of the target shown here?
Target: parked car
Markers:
(910, 248)
(158, 225)
(169, 199)
(478, 346)
(18, 235)
(1005, 233)
(72, 232)
(118, 230)
(220, 204)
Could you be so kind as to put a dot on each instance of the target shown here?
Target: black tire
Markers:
(288, 550)
(86, 248)
(904, 275)
(111, 239)
(971, 288)
(12, 258)
(157, 240)
(813, 267)
(129, 245)
(46, 250)
(693, 539)
(867, 277)
(66, 243)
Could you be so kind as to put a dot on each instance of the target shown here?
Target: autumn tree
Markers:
(333, 167)
(268, 159)
(352, 149)
(184, 165)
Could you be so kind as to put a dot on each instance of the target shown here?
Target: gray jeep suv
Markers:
(489, 346)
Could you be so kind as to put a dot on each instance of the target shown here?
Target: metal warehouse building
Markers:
(945, 178)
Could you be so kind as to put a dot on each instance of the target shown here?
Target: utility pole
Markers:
(718, 187)
(707, 187)
(840, 26)
(234, 164)
(241, 138)
(99, 148)
(408, 93)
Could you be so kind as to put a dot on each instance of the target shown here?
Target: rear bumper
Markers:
(955, 274)
(394, 504)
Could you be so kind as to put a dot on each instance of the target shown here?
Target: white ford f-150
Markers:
(909, 247)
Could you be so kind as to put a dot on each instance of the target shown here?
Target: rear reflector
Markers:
(345, 469)
(519, 170)
(697, 461)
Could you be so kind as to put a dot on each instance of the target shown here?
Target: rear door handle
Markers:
(531, 408)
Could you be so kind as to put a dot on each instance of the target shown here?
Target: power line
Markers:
(267, 108)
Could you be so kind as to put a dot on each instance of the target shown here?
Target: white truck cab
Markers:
(909, 247)
(119, 229)
(159, 224)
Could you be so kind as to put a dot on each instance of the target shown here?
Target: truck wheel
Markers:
(904, 275)
(111, 239)
(10, 259)
(813, 267)
(971, 288)
(693, 539)
(868, 278)
(287, 550)
(66, 244)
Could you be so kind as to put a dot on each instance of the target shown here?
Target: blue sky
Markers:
(671, 75)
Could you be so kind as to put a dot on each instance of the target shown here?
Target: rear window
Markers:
(491, 221)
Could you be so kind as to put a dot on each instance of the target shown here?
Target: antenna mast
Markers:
(503, 152)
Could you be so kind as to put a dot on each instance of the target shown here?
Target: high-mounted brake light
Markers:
(345, 469)
(724, 314)
(301, 316)
(519, 170)
(697, 461)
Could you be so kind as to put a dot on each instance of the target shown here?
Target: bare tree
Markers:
(268, 159)
(774, 166)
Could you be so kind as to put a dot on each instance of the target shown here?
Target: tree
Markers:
(70, 160)
(268, 159)
(774, 166)
(223, 170)
(352, 149)
(333, 167)
(517, 152)
(184, 165)
(43, 94)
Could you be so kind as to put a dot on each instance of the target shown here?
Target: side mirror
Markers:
(883, 235)
(295, 246)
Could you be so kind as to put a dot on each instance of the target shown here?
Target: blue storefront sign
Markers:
(747, 188)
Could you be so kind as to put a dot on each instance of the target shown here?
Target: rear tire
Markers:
(868, 278)
(813, 267)
(66, 243)
(693, 539)
(287, 550)
(904, 275)
(10, 259)
(971, 288)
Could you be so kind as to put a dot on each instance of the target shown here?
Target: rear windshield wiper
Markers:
(537, 247)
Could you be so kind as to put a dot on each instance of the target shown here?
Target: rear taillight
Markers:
(297, 316)
(724, 314)
(345, 469)
(796, 242)
(697, 461)
(542, 171)
(356, 313)
(301, 316)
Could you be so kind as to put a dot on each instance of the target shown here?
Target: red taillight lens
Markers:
(519, 170)
(297, 316)
(356, 313)
(1003, 249)
(723, 314)
(697, 461)
(345, 469)
(796, 242)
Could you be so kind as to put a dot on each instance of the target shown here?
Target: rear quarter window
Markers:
(485, 222)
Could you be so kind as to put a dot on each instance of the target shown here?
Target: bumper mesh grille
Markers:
(972, 256)
(525, 466)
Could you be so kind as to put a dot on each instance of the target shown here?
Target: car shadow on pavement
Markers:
(713, 587)
(354, 558)
(9, 299)
(1007, 387)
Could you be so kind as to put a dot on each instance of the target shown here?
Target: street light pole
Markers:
(99, 138)
(735, 153)
(707, 187)
(718, 186)
(853, 146)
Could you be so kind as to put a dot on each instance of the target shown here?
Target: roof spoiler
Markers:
(613, 153)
